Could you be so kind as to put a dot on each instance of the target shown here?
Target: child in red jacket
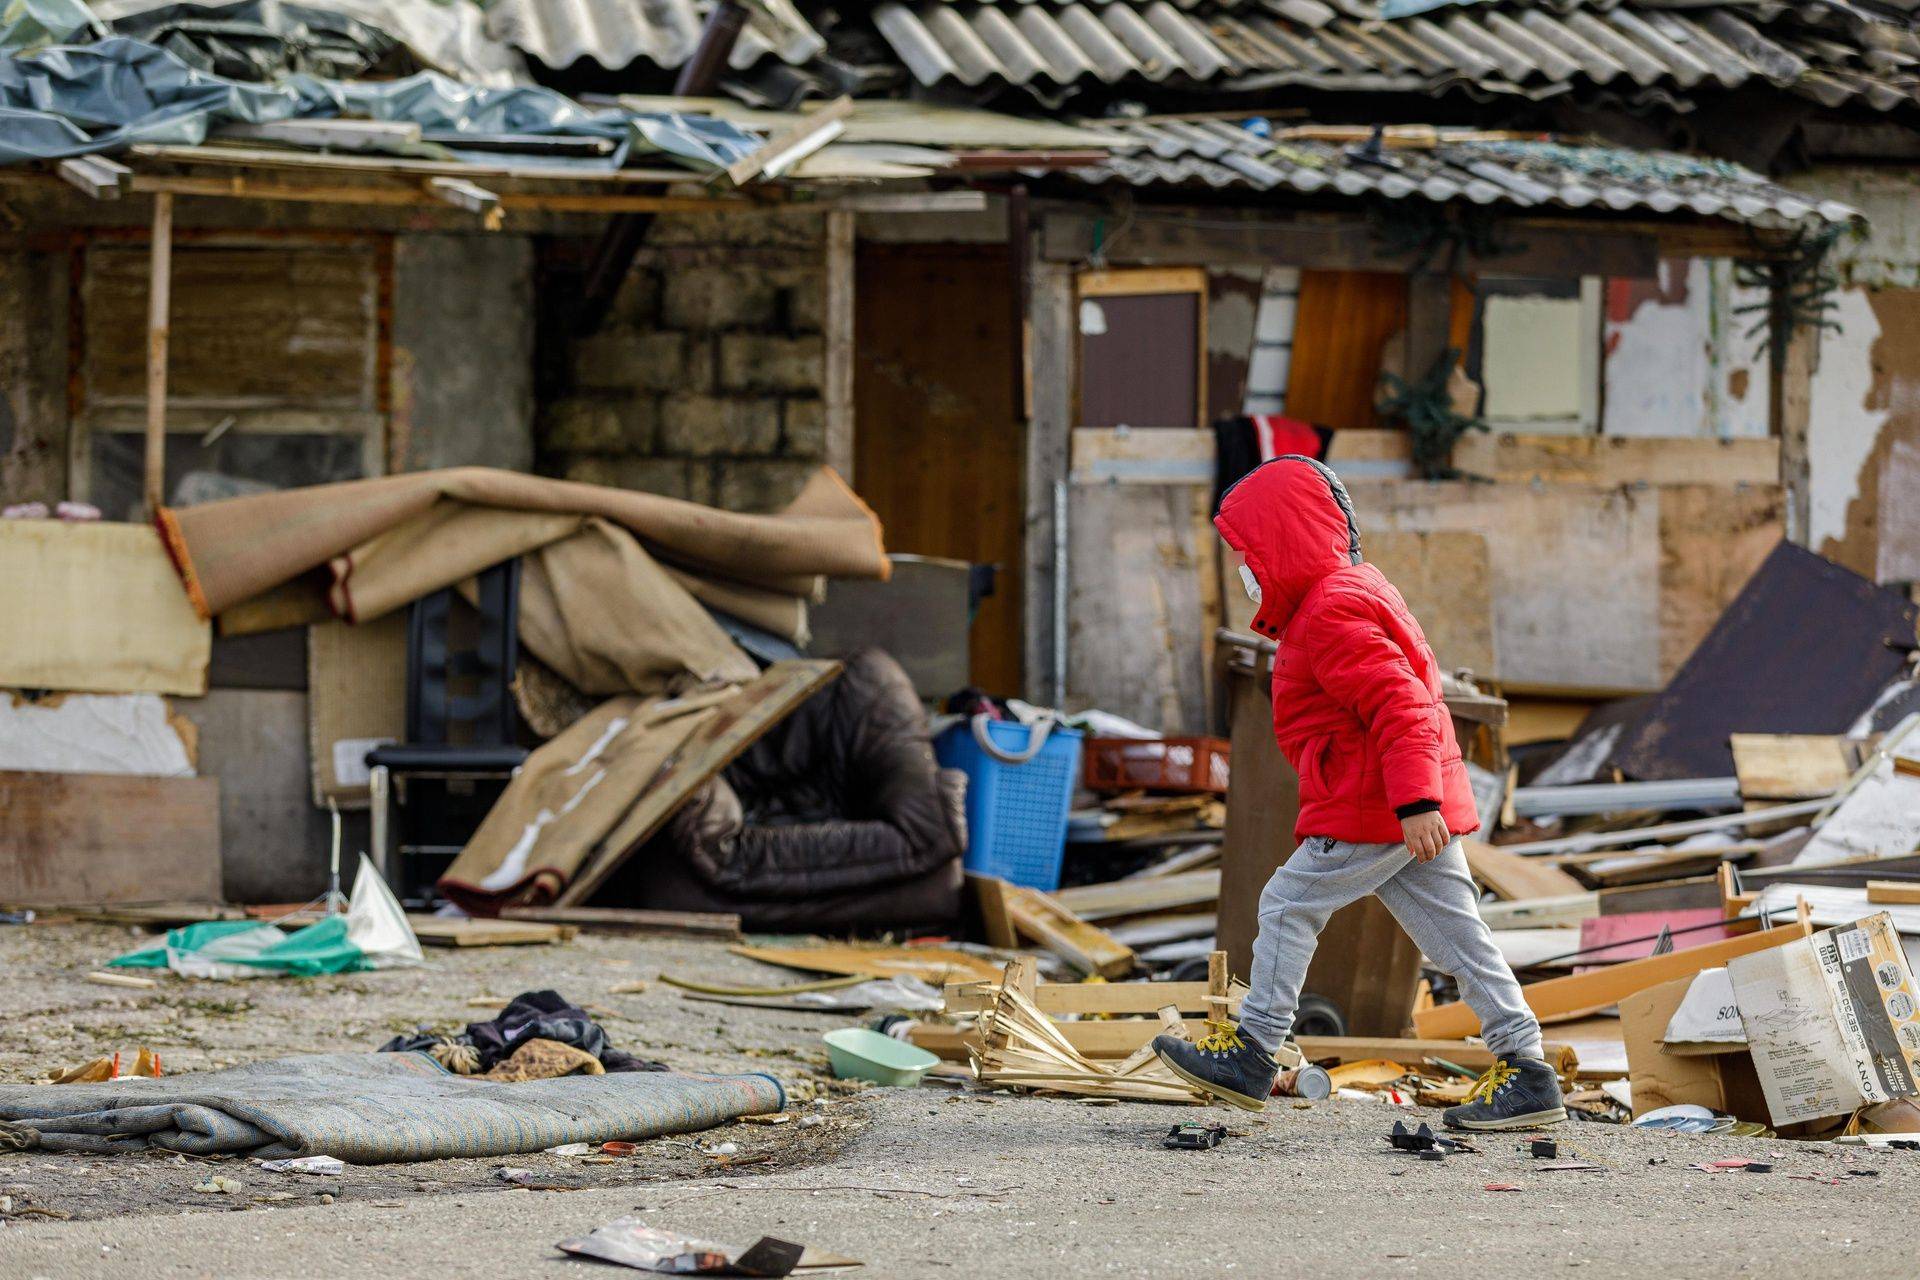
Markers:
(1383, 796)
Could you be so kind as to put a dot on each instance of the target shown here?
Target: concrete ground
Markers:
(934, 1182)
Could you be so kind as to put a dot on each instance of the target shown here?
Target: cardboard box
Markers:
(1721, 1079)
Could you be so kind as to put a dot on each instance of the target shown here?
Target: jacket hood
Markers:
(1293, 521)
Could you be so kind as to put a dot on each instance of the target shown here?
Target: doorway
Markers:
(939, 450)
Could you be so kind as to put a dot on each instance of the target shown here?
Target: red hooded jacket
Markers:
(1356, 689)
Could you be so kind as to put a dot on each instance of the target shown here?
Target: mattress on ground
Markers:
(368, 1108)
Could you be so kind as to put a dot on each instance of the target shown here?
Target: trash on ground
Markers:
(632, 1243)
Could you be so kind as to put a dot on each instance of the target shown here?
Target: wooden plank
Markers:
(1085, 947)
(96, 607)
(1135, 281)
(1712, 538)
(159, 291)
(1350, 245)
(742, 720)
(990, 894)
(71, 838)
(1512, 877)
(1132, 897)
(937, 965)
(837, 388)
(631, 921)
(1122, 1039)
(1126, 999)
(441, 931)
(789, 146)
(1534, 913)
(1599, 988)
(1447, 582)
(1893, 892)
(1791, 766)
(1611, 460)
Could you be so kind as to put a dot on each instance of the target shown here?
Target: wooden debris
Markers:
(632, 920)
(1792, 766)
(1892, 893)
(989, 894)
(442, 931)
(1512, 877)
(107, 978)
(1019, 1046)
(1582, 993)
(1087, 948)
(1134, 897)
(936, 965)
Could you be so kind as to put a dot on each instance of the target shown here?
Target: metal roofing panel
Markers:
(1656, 51)
(1446, 166)
(615, 33)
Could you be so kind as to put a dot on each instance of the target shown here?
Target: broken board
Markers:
(356, 701)
(1133, 897)
(936, 965)
(73, 838)
(96, 607)
(632, 920)
(444, 931)
(1087, 948)
(742, 720)
(1792, 766)
(1513, 878)
(1583, 993)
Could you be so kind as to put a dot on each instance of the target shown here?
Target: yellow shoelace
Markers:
(1220, 1037)
(1483, 1088)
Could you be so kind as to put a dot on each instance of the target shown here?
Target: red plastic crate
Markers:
(1157, 764)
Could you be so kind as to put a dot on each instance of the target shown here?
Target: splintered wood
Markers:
(1021, 1047)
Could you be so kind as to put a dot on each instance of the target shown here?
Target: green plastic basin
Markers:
(859, 1054)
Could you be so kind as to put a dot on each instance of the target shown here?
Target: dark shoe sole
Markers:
(1212, 1090)
(1532, 1120)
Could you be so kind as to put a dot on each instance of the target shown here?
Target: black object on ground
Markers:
(1545, 1149)
(1191, 1135)
(531, 1015)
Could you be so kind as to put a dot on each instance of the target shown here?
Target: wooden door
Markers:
(938, 447)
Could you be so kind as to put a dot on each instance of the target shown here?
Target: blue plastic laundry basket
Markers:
(1016, 806)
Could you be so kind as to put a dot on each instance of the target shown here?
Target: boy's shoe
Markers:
(1515, 1093)
(1222, 1065)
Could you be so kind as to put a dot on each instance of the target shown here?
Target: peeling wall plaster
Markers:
(1844, 421)
(1678, 358)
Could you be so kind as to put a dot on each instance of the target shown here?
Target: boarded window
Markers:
(289, 325)
(1141, 335)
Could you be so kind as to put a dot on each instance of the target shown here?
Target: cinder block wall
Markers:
(704, 381)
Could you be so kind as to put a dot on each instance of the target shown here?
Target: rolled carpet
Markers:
(374, 1108)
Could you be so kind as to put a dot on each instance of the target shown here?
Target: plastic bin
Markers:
(1016, 811)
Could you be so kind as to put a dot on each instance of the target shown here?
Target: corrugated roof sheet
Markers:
(615, 33)
(1448, 166)
(1832, 53)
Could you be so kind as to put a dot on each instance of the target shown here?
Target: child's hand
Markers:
(1426, 835)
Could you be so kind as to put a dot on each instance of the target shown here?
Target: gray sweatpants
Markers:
(1435, 902)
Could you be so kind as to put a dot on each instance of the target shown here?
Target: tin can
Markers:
(1309, 1082)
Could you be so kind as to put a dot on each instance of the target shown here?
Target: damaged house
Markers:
(1589, 304)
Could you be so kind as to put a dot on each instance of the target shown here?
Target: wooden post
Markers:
(1790, 366)
(159, 290)
(1429, 321)
(1218, 1001)
(1051, 358)
(837, 393)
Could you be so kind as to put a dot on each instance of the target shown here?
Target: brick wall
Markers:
(704, 381)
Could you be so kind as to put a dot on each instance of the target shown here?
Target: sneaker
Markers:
(1515, 1093)
(1222, 1065)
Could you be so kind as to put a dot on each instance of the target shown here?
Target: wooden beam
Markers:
(1512, 877)
(159, 294)
(1891, 893)
(1085, 947)
(98, 176)
(1051, 364)
(1790, 369)
(1600, 988)
(1170, 238)
(837, 391)
(914, 202)
(789, 146)
(470, 196)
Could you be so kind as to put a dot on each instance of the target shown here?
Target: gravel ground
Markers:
(933, 1182)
